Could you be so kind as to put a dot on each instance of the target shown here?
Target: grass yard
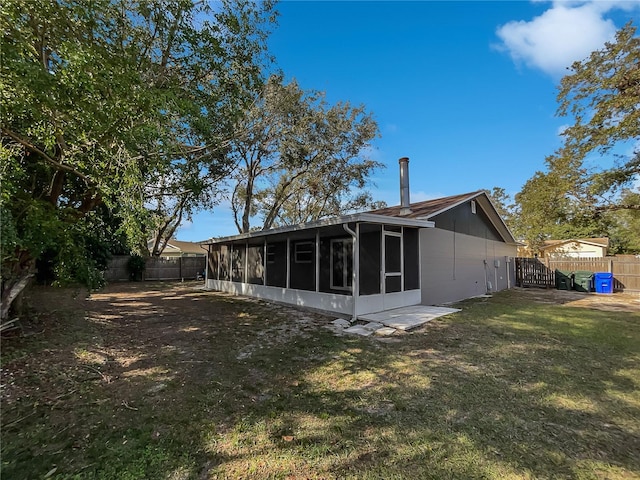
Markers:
(165, 381)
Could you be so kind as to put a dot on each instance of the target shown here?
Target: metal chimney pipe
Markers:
(404, 186)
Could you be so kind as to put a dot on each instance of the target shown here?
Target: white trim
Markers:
(509, 241)
(380, 302)
(355, 218)
(457, 204)
(330, 302)
(384, 263)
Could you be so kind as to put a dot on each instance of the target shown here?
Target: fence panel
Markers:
(626, 273)
(117, 270)
(582, 264)
(157, 268)
(533, 272)
(192, 267)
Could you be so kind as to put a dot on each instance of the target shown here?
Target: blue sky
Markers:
(466, 90)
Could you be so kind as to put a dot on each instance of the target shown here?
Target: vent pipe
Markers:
(404, 186)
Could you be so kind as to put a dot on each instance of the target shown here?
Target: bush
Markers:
(136, 266)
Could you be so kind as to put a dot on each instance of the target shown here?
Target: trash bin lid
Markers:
(604, 275)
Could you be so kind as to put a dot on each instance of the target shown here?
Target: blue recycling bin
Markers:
(604, 282)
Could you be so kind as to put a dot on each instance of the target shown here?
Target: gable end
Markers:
(461, 219)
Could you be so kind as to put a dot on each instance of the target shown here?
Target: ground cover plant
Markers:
(164, 380)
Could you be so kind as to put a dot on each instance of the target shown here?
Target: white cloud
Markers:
(567, 32)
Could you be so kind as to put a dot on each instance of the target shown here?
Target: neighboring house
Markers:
(177, 248)
(428, 253)
(575, 247)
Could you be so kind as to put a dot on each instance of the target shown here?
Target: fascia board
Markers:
(327, 222)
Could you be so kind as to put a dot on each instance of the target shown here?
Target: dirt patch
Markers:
(166, 380)
(616, 302)
(136, 338)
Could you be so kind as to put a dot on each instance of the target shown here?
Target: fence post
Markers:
(611, 265)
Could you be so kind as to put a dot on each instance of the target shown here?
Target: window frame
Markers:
(297, 252)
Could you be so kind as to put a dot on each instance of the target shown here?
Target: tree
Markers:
(602, 94)
(114, 103)
(625, 225)
(301, 159)
(504, 205)
(572, 198)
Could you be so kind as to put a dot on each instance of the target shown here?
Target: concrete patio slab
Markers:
(406, 318)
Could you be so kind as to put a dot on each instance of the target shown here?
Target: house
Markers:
(572, 247)
(177, 248)
(429, 253)
(575, 247)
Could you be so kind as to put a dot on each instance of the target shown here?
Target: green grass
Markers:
(174, 383)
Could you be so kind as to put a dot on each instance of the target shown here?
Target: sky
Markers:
(466, 90)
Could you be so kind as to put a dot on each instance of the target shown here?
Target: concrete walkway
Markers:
(406, 318)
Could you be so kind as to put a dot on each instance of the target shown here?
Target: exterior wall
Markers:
(461, 219)
(456, 266)
(575, 249)
(329, 302)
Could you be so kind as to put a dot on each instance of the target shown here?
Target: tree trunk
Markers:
(13, 291)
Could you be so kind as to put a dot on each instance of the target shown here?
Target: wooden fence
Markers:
(157, 268)
(534, 272)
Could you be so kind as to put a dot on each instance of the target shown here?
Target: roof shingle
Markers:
(427, 208)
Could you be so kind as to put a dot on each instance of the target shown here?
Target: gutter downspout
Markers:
(355, 266)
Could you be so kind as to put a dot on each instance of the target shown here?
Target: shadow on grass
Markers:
(164, 381)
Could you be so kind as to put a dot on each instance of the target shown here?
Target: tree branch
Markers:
(42, 154)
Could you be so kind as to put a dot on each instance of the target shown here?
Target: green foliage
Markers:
(136, 266)
(602, 94)
(124, 104)
(301, 158)
(573, 199)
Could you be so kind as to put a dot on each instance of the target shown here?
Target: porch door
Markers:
(392, 254)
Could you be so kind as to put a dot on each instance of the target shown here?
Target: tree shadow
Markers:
(165, 381)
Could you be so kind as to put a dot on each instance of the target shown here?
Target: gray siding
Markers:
(453, 266)
(461, 220)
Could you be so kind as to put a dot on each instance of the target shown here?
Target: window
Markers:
(341, 264)
(303, 252)
(473, 207)
(271, 253)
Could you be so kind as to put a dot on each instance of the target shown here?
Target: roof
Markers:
(187, 247)
(179, 246)
(428, 208)
(420, 216)
(599, 242)
(369, 217)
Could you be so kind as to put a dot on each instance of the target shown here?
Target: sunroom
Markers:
(349, 265)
